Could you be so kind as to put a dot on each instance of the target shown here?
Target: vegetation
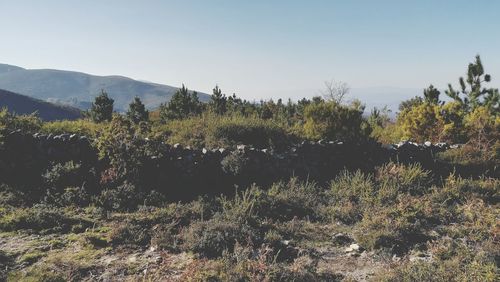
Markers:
(102, 108)
(110, 219)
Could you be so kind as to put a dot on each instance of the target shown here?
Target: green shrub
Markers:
(241, 208)
(333, 121)
(39, 218)
(129, 233)
(212, 131)
(76, 196)
(80, 127)
(394, 179)
(461, 263)
(10, 196)
(122, 198)
(213, 237)
(292, 199)
(60, 176)
(398, 227)
(350, 194)
(236, 163)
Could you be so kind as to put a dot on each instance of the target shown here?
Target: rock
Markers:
(427, 144)
(240, 147)
(177, 146)
(204, 151)
(286, 242)
(353, 248)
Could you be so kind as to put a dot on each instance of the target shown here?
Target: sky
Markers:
(256, 49)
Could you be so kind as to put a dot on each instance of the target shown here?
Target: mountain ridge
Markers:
(78, 89)
(21, 104)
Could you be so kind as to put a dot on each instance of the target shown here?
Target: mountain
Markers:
(79, 89)
(20, 104)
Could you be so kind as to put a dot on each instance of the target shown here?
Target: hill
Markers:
(21, 104)
(79, 89)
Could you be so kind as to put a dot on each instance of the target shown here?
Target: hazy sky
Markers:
(256, 48)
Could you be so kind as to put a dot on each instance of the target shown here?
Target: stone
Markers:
(353, 248)
(427, 144)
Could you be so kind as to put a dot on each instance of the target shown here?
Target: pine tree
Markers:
(431, 95)
(218, 104)
(137, 111)
(182, 105)
(472, 90)
(102, 108)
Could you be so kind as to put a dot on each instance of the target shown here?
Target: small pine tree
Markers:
(102, 108)
(472, 90)
(431, 95)
(218, 104)
(137, 111)
(182, 105)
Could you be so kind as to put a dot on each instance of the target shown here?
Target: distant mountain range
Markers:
(21, 104)
(79, 89)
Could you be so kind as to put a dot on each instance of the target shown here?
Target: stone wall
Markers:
(217, 170)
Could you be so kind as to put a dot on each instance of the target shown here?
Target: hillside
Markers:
(78, 89)
(21, 104)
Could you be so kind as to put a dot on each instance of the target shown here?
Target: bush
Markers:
(332, 121)
(350, 194)
(397, 228)
(80, 127)
(40, 218)
(421, 123)
(60, 176)
(394, 179)
(129, 233)
(211, 238)
(212, 131)
(461, 263)
(122, 198)
(292, 199)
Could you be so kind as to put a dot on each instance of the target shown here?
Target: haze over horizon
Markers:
(256, 49)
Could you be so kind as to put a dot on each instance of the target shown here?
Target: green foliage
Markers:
(124, 147)
(431, 95)
(183, 104)
(293, 199)
(350, 194)
(454, 262)
(218, 102)
(211, 131)
(397, 227)
(410, 103)
(421, 123)
(122, 198)
(472, 92)
(137, 111)
(129, 233)
(332, 121)
(81, 127)
(25, 123)
(61, 176)
(102, 108)
(211, 238)
(39, 218)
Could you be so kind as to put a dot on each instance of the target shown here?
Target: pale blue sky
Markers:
(256, 48)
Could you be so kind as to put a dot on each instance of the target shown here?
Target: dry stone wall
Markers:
(177, 168)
